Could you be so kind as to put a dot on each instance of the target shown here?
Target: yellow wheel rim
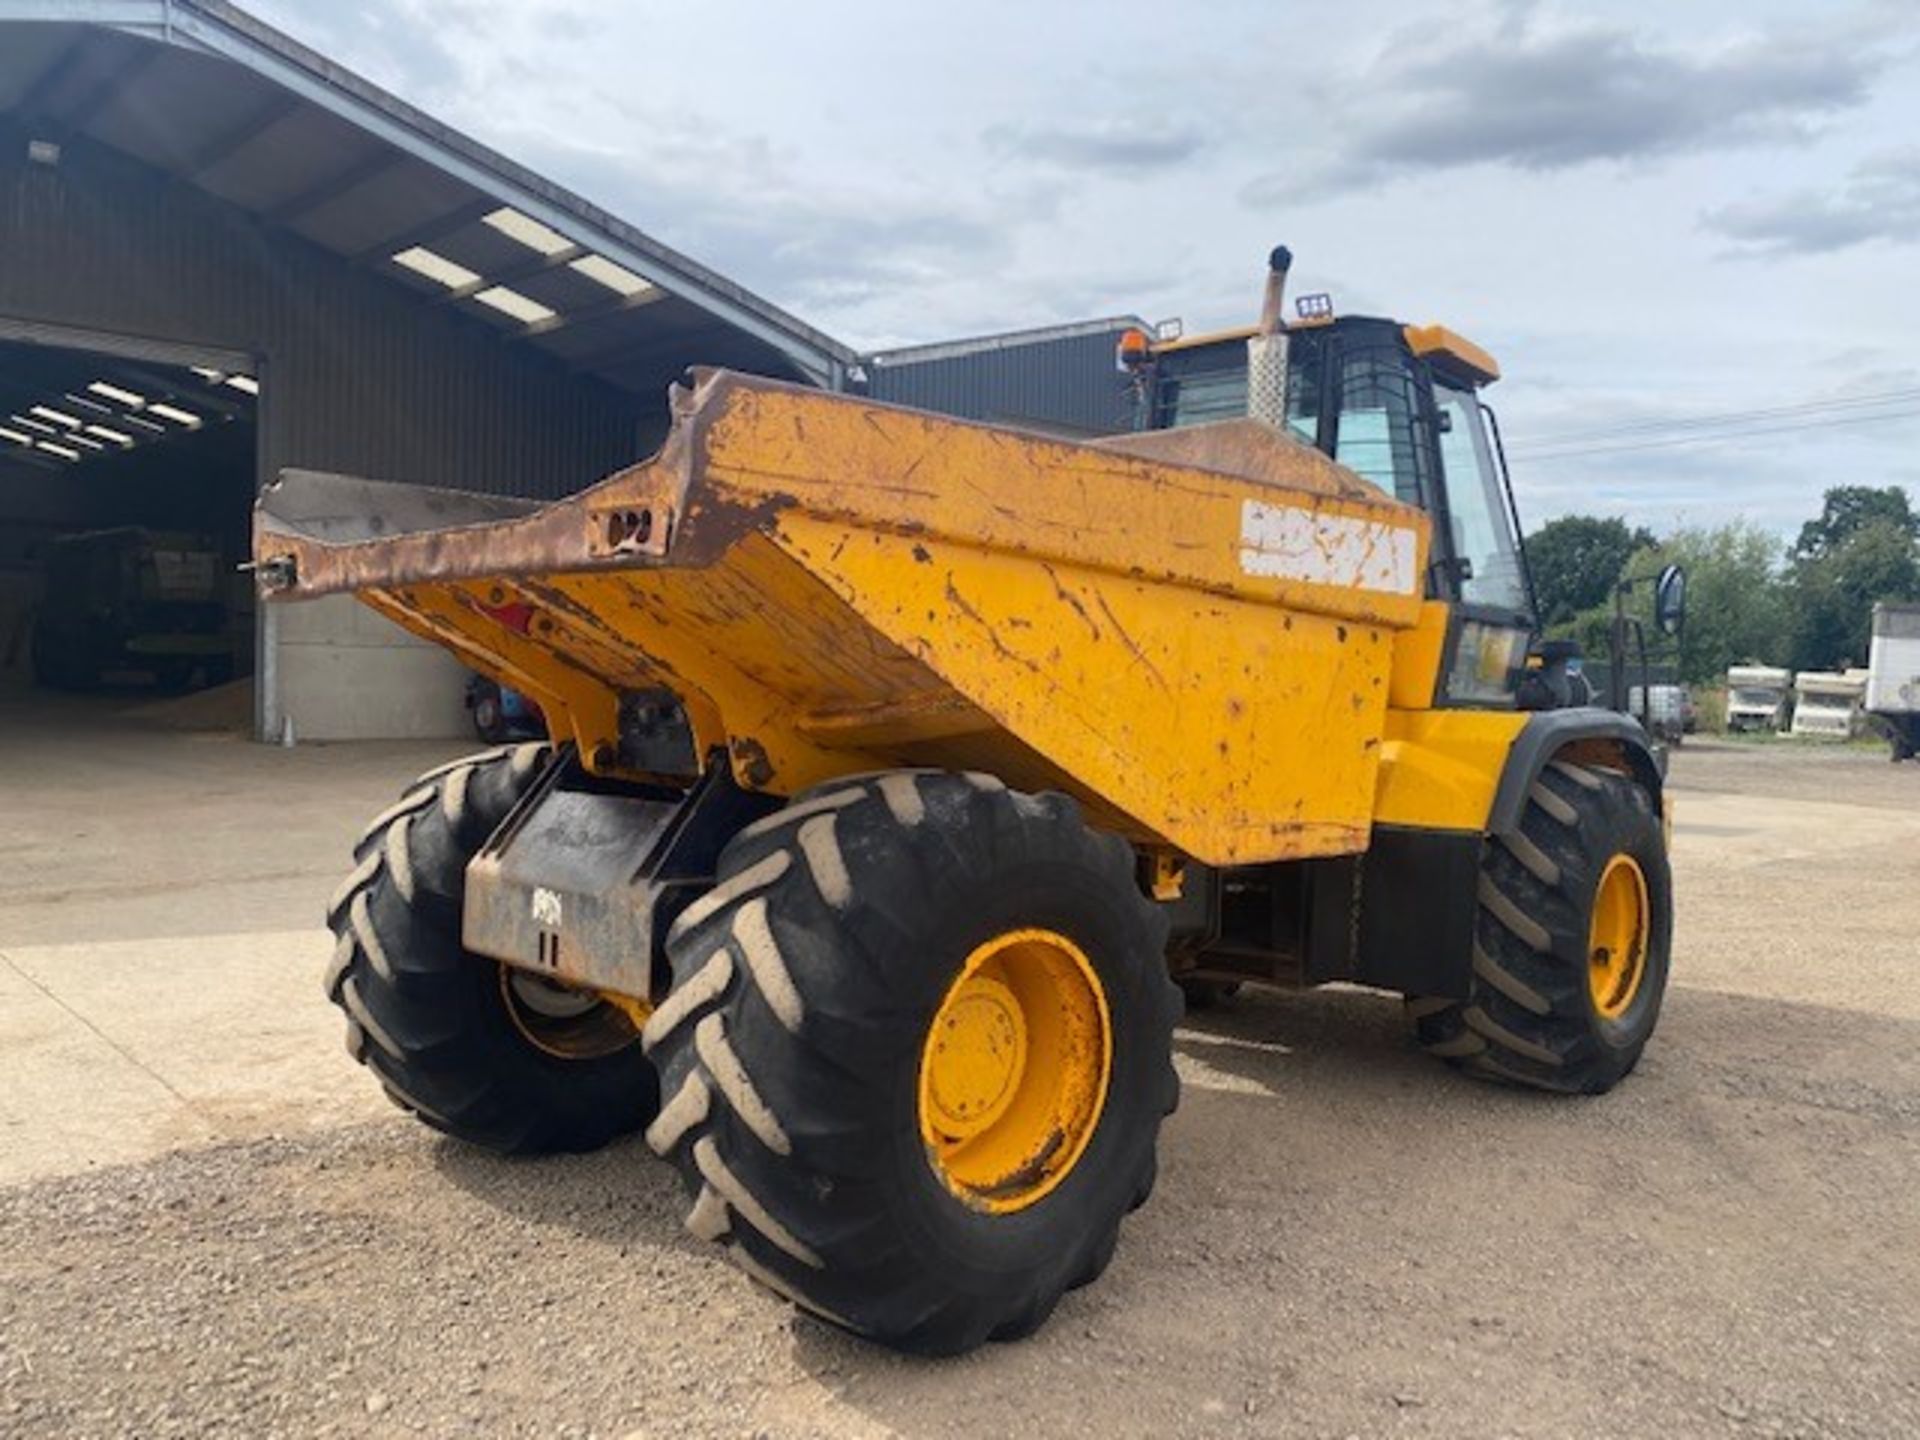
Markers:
(1617, 937)
(1015, 1069)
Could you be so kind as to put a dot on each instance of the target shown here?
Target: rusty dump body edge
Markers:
(1190, 630)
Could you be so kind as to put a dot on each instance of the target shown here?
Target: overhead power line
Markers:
(1730, 417)
(1545, 451)
(1678, 422)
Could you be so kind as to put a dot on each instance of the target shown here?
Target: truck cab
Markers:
(1401, 406)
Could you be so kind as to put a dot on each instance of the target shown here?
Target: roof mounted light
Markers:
(107, 432)
(245, 384)
(528, 231)
(436, 267)
(175, 414)
(116, 394)
(65, 452)
(1314, 309)
(47, 412)
(18, 437)
(1133, 351)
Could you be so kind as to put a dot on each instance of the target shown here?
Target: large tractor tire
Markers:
(1571, 940)
(477, 1049)
(916, 1055)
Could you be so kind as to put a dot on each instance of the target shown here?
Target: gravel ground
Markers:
(1347, 1239)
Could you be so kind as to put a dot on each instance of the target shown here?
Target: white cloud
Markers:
(1535, 175)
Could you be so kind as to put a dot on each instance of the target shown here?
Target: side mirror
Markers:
(1670, 600)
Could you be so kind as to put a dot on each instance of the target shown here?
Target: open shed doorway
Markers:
(126, 490)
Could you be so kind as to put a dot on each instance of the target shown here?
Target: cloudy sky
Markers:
(1693, 222)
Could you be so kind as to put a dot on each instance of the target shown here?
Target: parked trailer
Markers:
(1893, 675)
(1757, 697)
(1828, 703)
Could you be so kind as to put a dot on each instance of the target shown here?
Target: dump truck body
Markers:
(1201, 654)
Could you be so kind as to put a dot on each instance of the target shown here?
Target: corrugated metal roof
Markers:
(205, 92)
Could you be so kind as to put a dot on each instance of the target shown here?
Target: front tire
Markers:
(841, 1000)
(479, 1050)
(1571, 941)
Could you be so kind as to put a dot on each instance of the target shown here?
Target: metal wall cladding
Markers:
(359, 375)
(1066, 384)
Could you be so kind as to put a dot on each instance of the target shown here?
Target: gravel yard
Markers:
(204, 1231)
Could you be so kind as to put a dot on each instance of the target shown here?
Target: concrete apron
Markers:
(113, 1051)
(117, 1051)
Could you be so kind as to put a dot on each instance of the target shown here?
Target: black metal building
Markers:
(1062, 379)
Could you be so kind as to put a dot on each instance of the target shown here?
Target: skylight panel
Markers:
(616, 278)
(523, 308)
(528, 231)
(436, 267)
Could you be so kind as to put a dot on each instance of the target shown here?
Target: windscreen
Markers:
(1477, 505)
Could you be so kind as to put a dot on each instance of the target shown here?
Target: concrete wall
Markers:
(348, 674)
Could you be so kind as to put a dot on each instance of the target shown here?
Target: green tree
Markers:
(1835, 590)
(1575, 561)
(1850, 509)
(1737, 602)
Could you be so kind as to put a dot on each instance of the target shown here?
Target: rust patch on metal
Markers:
(750, 761)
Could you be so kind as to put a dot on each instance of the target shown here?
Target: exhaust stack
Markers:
(1267, 348)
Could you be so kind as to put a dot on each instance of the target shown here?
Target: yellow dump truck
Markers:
(904, 770)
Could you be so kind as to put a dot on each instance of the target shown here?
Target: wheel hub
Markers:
(567, 1023)
(977, 1059)
(1014, 1070)
(1617, 937)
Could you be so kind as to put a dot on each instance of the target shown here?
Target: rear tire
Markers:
(1208, 994)
(796, 1047)
(489, 714)
(1542, 1011)
(474, 1048)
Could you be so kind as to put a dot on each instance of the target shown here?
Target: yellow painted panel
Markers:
(1238, 732)
(1417, 654)
(1196, 639)
(1305, 546)
(1439, 340)
(1439, 769)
